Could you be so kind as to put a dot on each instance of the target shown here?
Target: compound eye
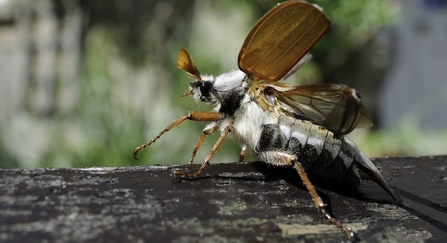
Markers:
(205, 88)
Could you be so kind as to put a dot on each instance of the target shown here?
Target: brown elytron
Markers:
(280, 39)
(285, 125)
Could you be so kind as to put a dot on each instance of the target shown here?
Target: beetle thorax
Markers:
(224, 93)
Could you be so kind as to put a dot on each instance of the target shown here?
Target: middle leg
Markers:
(205, 133)
(184, 175)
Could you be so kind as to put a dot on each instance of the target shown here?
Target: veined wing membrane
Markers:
(280, 39)
(335, 107)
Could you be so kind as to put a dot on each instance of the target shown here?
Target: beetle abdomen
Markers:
(320, 152)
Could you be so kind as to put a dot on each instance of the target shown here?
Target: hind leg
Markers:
(284, 159)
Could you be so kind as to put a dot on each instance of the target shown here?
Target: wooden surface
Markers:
(235, 202)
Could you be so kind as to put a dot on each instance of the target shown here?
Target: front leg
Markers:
(201, 116)
(285, 159)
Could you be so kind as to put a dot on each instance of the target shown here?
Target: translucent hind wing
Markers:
(335, 107)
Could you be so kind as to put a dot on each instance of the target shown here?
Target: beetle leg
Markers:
(184, 175)
(205, 133)
(285, 159)
(243, 153)
(202, 116)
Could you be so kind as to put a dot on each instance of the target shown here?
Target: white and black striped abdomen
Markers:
(322, 154)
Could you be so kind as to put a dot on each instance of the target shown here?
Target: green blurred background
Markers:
(85, 82)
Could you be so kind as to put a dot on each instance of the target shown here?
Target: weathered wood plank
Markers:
(235, 202)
